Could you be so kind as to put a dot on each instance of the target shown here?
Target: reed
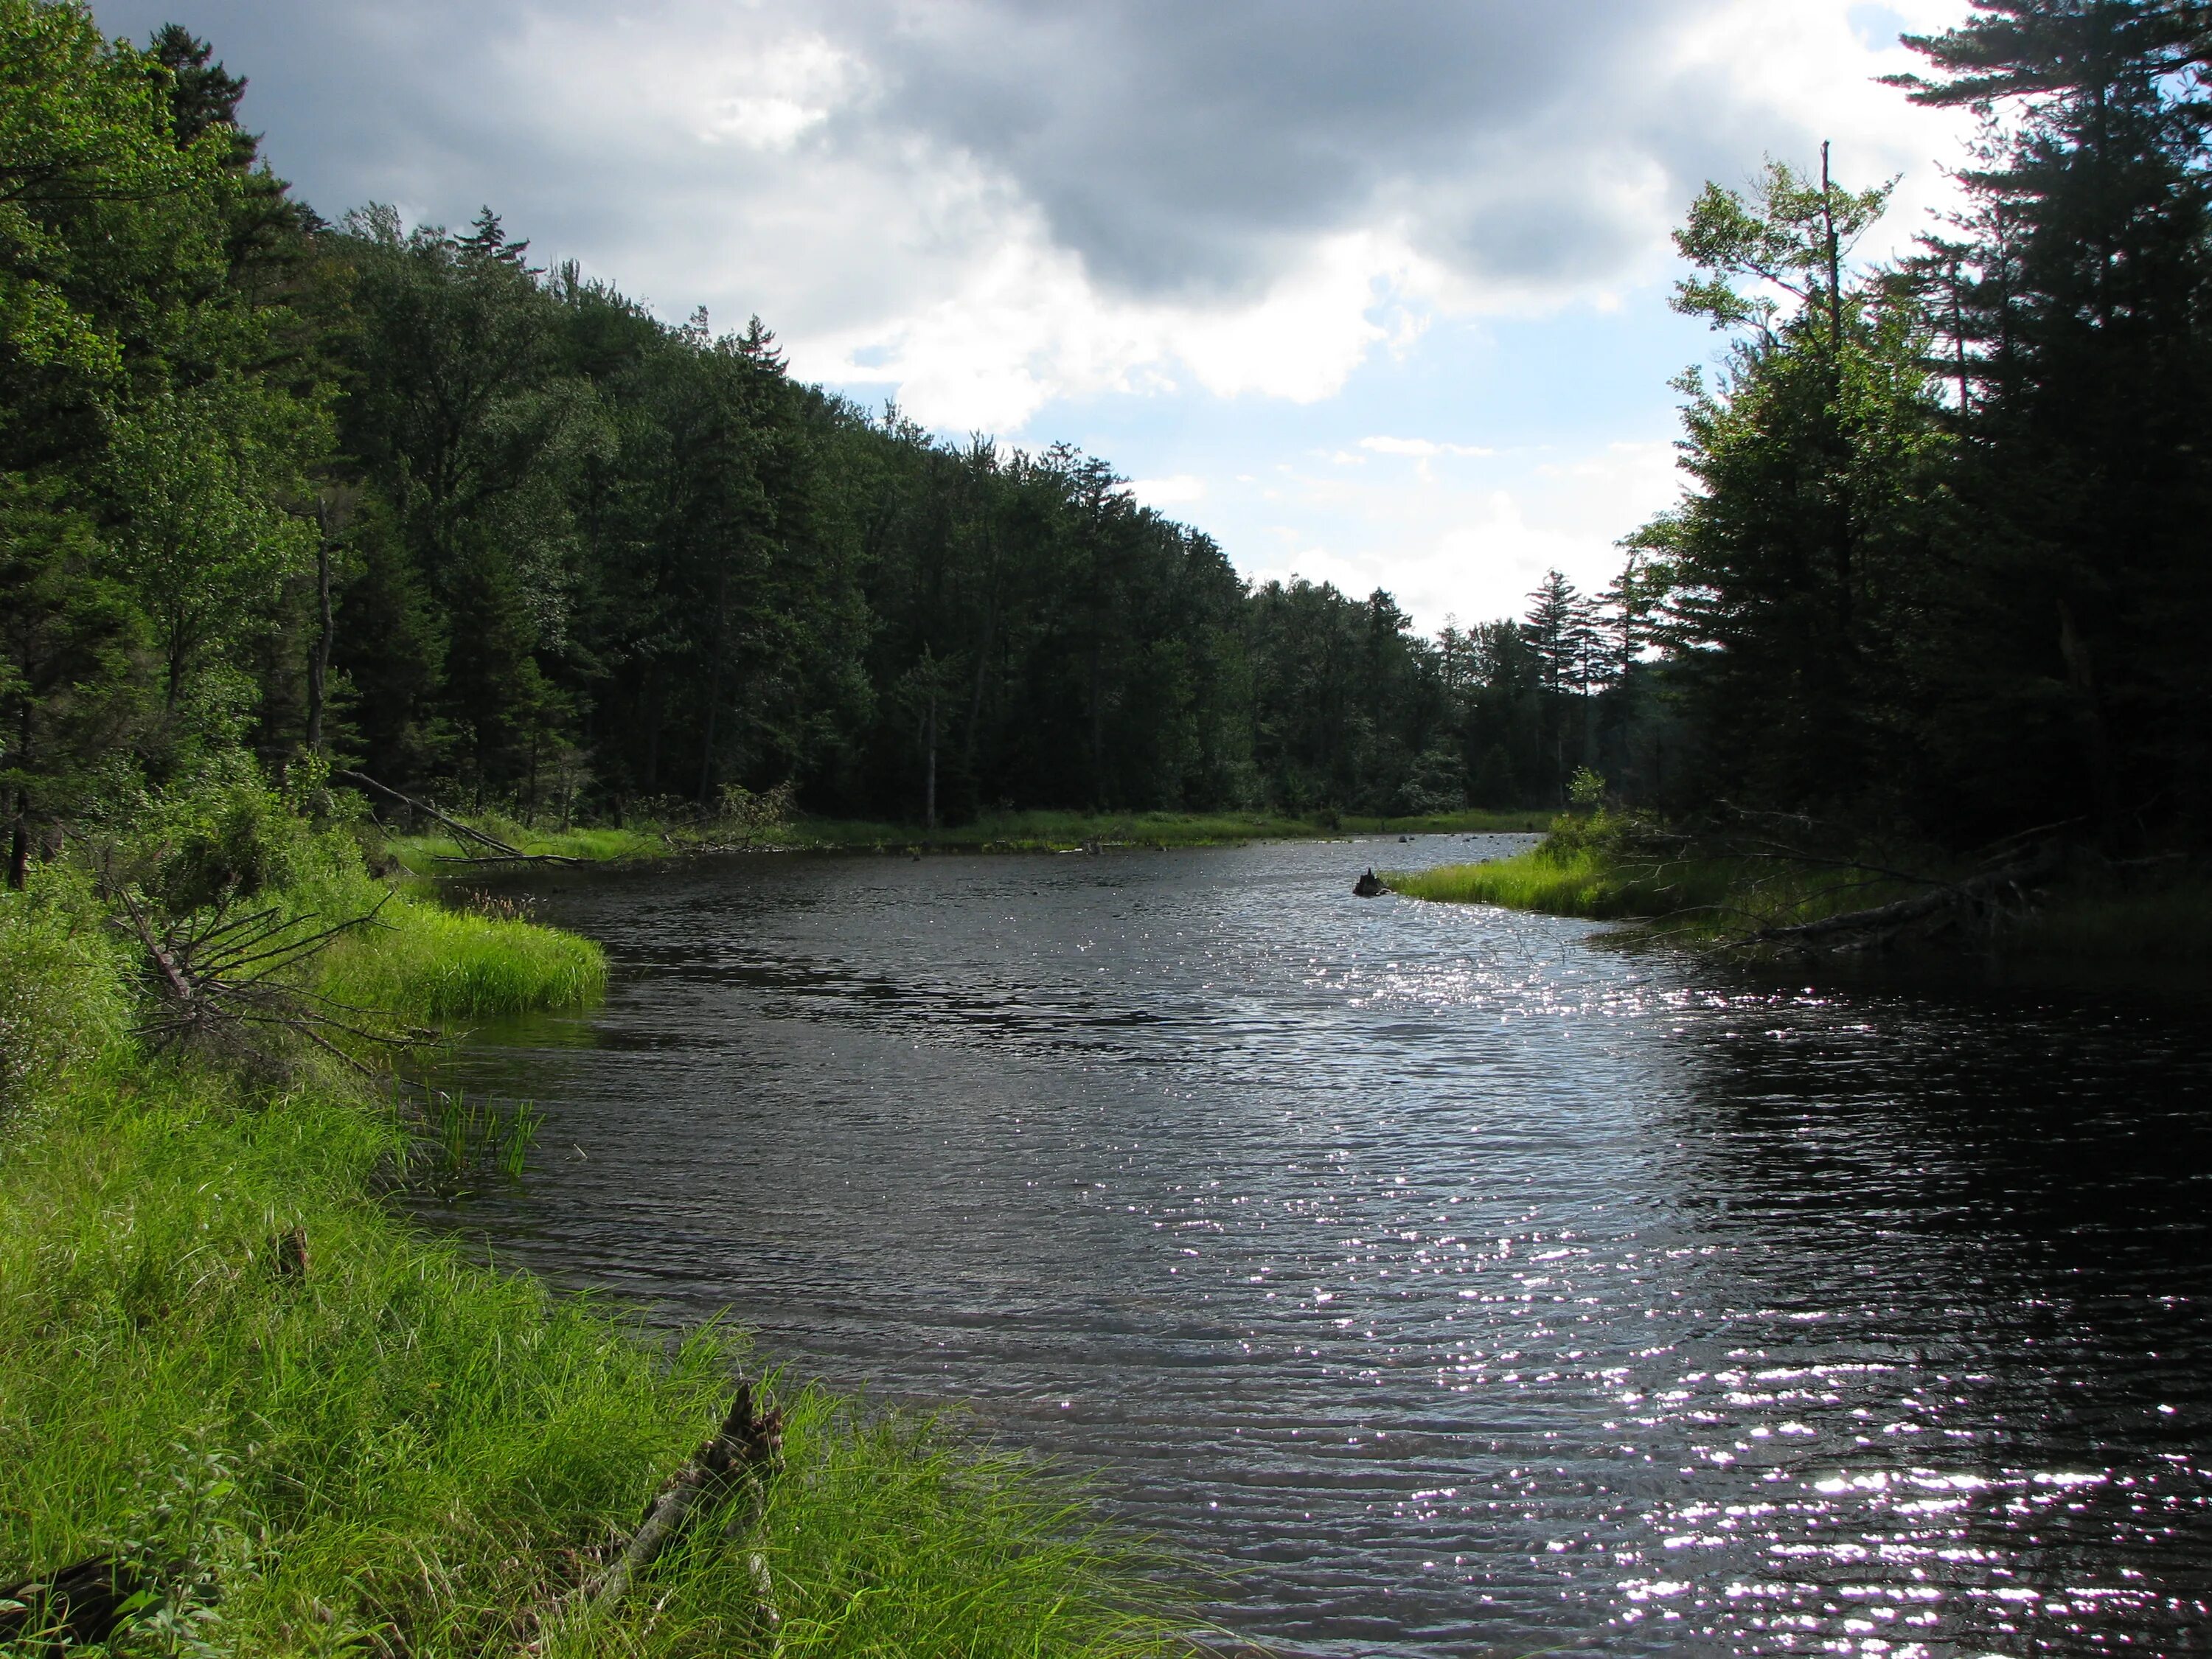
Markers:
(1688, 897)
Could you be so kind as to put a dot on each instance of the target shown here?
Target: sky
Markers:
(1371, 291)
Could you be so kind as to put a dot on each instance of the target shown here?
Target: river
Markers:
(1458, 1283)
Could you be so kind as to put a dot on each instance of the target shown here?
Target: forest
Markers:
(394, 498)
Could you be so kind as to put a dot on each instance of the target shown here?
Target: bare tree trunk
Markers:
(19, 843)
(929, 783)
(319, 659)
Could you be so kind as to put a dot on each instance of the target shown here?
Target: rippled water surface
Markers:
(1460, 1285)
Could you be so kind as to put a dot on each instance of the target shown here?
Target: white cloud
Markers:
(1422, 447)
(1167, 494)
(1475, 546)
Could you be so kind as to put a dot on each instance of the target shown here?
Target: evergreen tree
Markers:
(2066, 626)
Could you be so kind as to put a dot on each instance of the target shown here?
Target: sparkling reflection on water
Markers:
(1457, 1283)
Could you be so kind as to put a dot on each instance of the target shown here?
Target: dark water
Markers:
(1460, 1285)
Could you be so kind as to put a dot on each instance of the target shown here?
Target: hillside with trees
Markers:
(396, 497)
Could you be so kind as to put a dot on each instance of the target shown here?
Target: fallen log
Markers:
(1889, 920)
(742, 1458)
(220, 983)
(468, 834)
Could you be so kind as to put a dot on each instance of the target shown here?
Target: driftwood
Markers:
(468, 835)
(739, 1461)
(216, 984)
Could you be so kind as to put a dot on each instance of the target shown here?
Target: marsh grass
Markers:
(436, 855)
(324, 1430)
(457, 1134)
(1691, 898)
(420, 961)
(400, 1451)
(2099, 914)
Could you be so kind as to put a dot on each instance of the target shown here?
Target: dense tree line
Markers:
(1944, 564)
(396, 497)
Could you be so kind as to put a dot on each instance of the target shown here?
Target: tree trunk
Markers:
(19, 843)
(319, 659)
(714, 684)
(929, 775)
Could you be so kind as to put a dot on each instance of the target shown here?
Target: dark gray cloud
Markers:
(1181, 149)
(1174, 145)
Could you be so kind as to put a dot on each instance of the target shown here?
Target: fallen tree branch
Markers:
(468, 834)
(742, 1457)
(1890, 919)
(215, 981)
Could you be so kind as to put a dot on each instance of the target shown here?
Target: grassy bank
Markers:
(2091, 915)
(1696, 897)
(1008, 832)
(380, 1447)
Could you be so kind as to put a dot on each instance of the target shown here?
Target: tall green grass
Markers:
(420, 960)
(397, 1452)
(64, 1003)
(393, 1451)
(1698, 897)
(439, 855)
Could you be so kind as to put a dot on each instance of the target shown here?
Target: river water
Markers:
(1458, 1284)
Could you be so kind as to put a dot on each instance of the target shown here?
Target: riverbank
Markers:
(1011, 832)
(2160, 915)
(229, 1367)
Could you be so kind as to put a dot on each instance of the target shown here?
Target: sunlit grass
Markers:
(421, 962)
(1696, 897)
(444, 854)
(399, 1451)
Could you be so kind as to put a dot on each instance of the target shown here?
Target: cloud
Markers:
(1473, 546)
(991, 204)
(1422, 448)
(1167, 493)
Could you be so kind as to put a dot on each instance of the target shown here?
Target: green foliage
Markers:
(65, 994)
(393, 1448)
(224, 831)
(424, 963)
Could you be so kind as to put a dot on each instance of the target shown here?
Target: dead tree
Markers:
(468, 835)
(221, 982)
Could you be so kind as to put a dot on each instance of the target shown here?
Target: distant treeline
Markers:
(396, 497)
